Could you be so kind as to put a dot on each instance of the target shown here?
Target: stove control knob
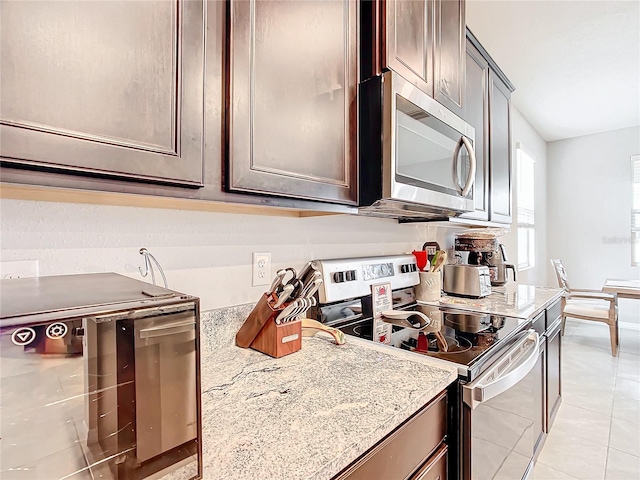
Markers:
(408, 268)
(338, 277)
(350, 275)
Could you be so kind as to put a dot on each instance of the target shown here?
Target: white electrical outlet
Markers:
(261, 269)
(19, 269)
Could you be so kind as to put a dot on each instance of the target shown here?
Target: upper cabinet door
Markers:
(109, 88)
(449, 56)
(408, 38)
(292, 93)
(476, 114)
(500, 149)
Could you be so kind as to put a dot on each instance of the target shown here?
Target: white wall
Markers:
(589, 188)
(203, 254)
(522, 132)
(209, 254)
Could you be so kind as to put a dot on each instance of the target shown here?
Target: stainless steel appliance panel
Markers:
(467, 280)
(502, 400)
(165, 366)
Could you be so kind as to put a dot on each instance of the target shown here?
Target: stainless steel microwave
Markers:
(416, 157)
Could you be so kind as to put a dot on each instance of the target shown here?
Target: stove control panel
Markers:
(346, 278)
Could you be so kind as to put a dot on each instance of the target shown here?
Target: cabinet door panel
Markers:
(293, 81)
(106, 87)
(554, 377)
(449, 56)
(409, 41)
(476, 113)
(499, 149)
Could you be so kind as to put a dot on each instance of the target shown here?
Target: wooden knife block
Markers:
(279, 340)
(261, 333)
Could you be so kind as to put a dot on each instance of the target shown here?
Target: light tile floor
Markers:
(596, 434)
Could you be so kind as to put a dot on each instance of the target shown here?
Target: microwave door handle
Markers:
(471, 178)
(483, 391)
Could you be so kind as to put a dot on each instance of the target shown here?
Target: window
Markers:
(635, 210)
(525, 209)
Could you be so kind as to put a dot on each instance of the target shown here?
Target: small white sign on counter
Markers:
(381, 301)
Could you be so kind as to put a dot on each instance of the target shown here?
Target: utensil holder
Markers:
(260, 332)
(428, 290)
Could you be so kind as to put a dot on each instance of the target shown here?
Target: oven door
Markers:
(500, 414)
(428, 153)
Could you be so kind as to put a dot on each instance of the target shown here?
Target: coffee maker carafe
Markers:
(498, 266)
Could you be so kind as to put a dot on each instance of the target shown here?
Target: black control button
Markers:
(350, 275)
(338, 277)
(408, 268)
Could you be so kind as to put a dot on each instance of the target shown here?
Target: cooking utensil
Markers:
(312, 288)
(311, 327)
(305, 271)
(421, 258)
(438, 260)
(406, 319)
(287, 290)
(277, 281)
(285, 313)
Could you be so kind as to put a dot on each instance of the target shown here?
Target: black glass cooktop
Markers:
(462, 337)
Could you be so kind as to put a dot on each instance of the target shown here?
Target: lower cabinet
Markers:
(554, 378)
(540, 425)
(416, 450)
(436, 467)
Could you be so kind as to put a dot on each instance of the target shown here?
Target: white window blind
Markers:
(635, 210)
(525, 209)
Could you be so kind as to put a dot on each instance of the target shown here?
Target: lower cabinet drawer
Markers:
(435, 468)
(553, 312)
(401, 453)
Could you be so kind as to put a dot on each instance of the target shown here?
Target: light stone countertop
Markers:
(512, 300)
(307, 415)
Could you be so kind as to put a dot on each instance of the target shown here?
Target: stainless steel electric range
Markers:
(494, 411)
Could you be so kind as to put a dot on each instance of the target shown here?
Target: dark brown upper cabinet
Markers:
(292, 82)
(449, 54)
(500, 182)
(408, 41)
(476, 114)
(423, 41)
(487, 109)
(109, 89)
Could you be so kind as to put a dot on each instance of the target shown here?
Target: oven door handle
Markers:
(471, 177)
(516, 364)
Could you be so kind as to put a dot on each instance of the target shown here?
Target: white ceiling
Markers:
(575, 64)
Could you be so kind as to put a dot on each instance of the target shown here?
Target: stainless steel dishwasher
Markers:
(99, 378)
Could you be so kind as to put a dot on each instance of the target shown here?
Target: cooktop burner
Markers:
(457, 336)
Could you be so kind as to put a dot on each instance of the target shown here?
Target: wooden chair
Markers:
(593, 305)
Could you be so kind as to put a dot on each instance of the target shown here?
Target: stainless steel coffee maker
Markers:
(498, 266)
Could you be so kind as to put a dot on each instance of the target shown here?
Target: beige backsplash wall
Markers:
(204, 254)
